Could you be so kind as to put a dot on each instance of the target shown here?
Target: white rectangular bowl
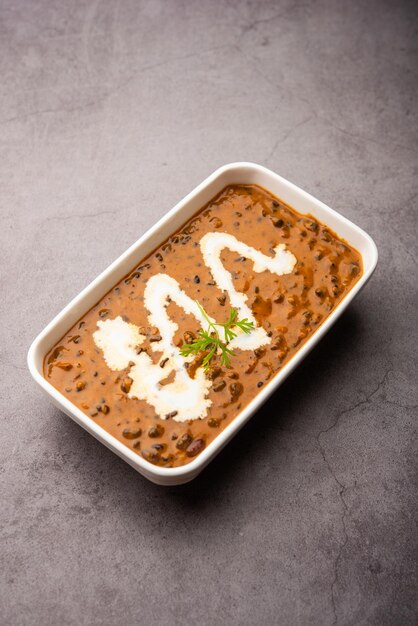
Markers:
(244, 173)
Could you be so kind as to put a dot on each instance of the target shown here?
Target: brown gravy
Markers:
(289, 307)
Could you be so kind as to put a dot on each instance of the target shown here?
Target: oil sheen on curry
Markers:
(170, 356)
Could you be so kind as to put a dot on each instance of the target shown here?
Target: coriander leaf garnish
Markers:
(210, 341)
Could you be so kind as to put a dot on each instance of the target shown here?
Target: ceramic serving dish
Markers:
(238, 173)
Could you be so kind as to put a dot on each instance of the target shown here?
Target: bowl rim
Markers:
(192, 468)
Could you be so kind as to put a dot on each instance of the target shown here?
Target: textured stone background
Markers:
(110, 112)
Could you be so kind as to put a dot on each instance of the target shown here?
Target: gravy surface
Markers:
(289, 308)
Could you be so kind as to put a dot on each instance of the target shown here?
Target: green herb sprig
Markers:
(210, 341)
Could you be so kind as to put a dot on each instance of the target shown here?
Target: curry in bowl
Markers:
(171, 355)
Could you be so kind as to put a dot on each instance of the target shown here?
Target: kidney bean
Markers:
(219, 386)
(156, 431)
(213, 373)
(184, 441)
(153, 456)
(195, 447)
(236, 390)
(131, 433)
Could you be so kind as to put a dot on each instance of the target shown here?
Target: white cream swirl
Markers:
(184, 396)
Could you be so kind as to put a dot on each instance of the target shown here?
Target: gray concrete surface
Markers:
(109, 113)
